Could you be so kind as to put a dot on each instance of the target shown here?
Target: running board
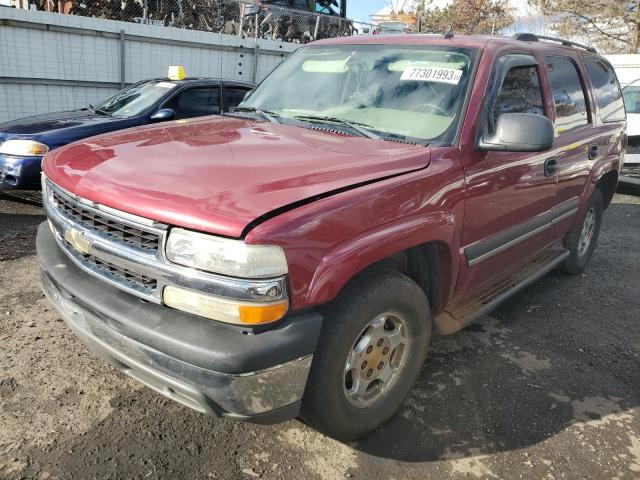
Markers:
(459, 315)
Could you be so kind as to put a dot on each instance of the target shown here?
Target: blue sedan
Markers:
(23, 142)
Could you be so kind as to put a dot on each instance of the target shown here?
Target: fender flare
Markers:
(346, 260)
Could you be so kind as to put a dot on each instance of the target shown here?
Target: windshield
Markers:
(631, 96)
(135, 100)
(392, 26)
(416, 92)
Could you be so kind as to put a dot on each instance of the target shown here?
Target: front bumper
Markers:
(210, 367)
(20, 172)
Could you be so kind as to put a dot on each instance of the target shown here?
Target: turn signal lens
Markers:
(222, 309)
(255, 314)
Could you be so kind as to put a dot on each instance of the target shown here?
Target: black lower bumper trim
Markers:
(195, 340)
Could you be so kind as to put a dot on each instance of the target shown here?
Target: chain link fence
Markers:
(245, 18)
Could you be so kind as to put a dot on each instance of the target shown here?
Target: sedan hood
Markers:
(38, 124)
(218, 174)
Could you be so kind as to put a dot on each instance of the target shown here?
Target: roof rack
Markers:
(532, 37)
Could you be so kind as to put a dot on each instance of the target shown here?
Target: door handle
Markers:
(593, 152)
(550, 166)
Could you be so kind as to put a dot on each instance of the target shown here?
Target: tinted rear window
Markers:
(607, 90)
(568, 94)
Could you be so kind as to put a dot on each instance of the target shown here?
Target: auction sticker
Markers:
(431, 74)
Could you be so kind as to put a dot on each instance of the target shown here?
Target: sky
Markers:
(361, 10)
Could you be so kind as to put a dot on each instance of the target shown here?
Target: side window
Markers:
(195, 102)
(520, 93)
(568, 94)
(606, 88)
(232, 96)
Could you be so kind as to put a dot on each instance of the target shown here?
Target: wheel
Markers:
(372, 347)
(582, 241)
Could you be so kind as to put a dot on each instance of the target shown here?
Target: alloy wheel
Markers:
(376, 359)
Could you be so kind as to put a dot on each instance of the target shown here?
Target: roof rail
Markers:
(532, 37)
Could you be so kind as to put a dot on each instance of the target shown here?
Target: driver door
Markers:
(508, 194)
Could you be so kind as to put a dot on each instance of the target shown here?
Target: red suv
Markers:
(295, 257)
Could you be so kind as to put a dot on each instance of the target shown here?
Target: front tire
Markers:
(582, 241)
(371, 351)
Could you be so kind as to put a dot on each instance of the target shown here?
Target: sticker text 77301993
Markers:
(431, 74)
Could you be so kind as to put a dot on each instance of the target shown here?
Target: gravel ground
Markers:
(548, 386)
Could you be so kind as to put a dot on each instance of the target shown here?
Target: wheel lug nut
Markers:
(385, 350)
(369, 373)
(369, 349)
(380, 365)
(380, 342)
(364, 365)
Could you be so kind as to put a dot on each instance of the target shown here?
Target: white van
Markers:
(626, 66)
(631, 96)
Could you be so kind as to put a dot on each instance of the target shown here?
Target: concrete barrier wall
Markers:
(51, 62)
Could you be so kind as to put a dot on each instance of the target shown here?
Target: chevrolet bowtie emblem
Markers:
(77, 241)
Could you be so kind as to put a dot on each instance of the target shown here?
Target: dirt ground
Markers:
(547, 387)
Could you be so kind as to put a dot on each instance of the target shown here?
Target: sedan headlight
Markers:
(23, 148)
(225, 256)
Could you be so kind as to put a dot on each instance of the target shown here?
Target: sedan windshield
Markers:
(135, 99)
(414, 92)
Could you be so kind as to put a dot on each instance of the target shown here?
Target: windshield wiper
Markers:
(361, 128)
(100, 111)
(271, 116)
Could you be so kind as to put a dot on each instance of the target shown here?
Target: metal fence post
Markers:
(122, 62)
(254, 74)
(145, 12)
(315, 31)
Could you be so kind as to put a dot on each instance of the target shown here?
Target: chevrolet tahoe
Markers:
(295, 257)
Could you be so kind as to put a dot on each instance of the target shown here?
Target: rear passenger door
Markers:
(232, 95)
(577, 143)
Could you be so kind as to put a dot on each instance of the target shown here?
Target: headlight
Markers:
(227, 257)
(23, 148)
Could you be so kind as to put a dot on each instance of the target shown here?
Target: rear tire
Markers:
(372, 348)
(582, 241)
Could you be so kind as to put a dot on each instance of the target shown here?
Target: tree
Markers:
(466, 17)
(613, 26)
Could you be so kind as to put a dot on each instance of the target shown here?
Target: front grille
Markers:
(133, 277)
(133, 236)
(118, 273)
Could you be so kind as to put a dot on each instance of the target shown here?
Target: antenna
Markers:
(448, 33)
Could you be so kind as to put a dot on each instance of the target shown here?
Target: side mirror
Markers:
(163, 115)
(519, 132)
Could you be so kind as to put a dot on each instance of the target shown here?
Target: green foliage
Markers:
(612, 26)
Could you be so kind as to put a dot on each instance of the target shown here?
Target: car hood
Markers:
(218, 174)
(39, 124)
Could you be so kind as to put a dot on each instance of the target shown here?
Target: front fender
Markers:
(346, 260)
(329, 241)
